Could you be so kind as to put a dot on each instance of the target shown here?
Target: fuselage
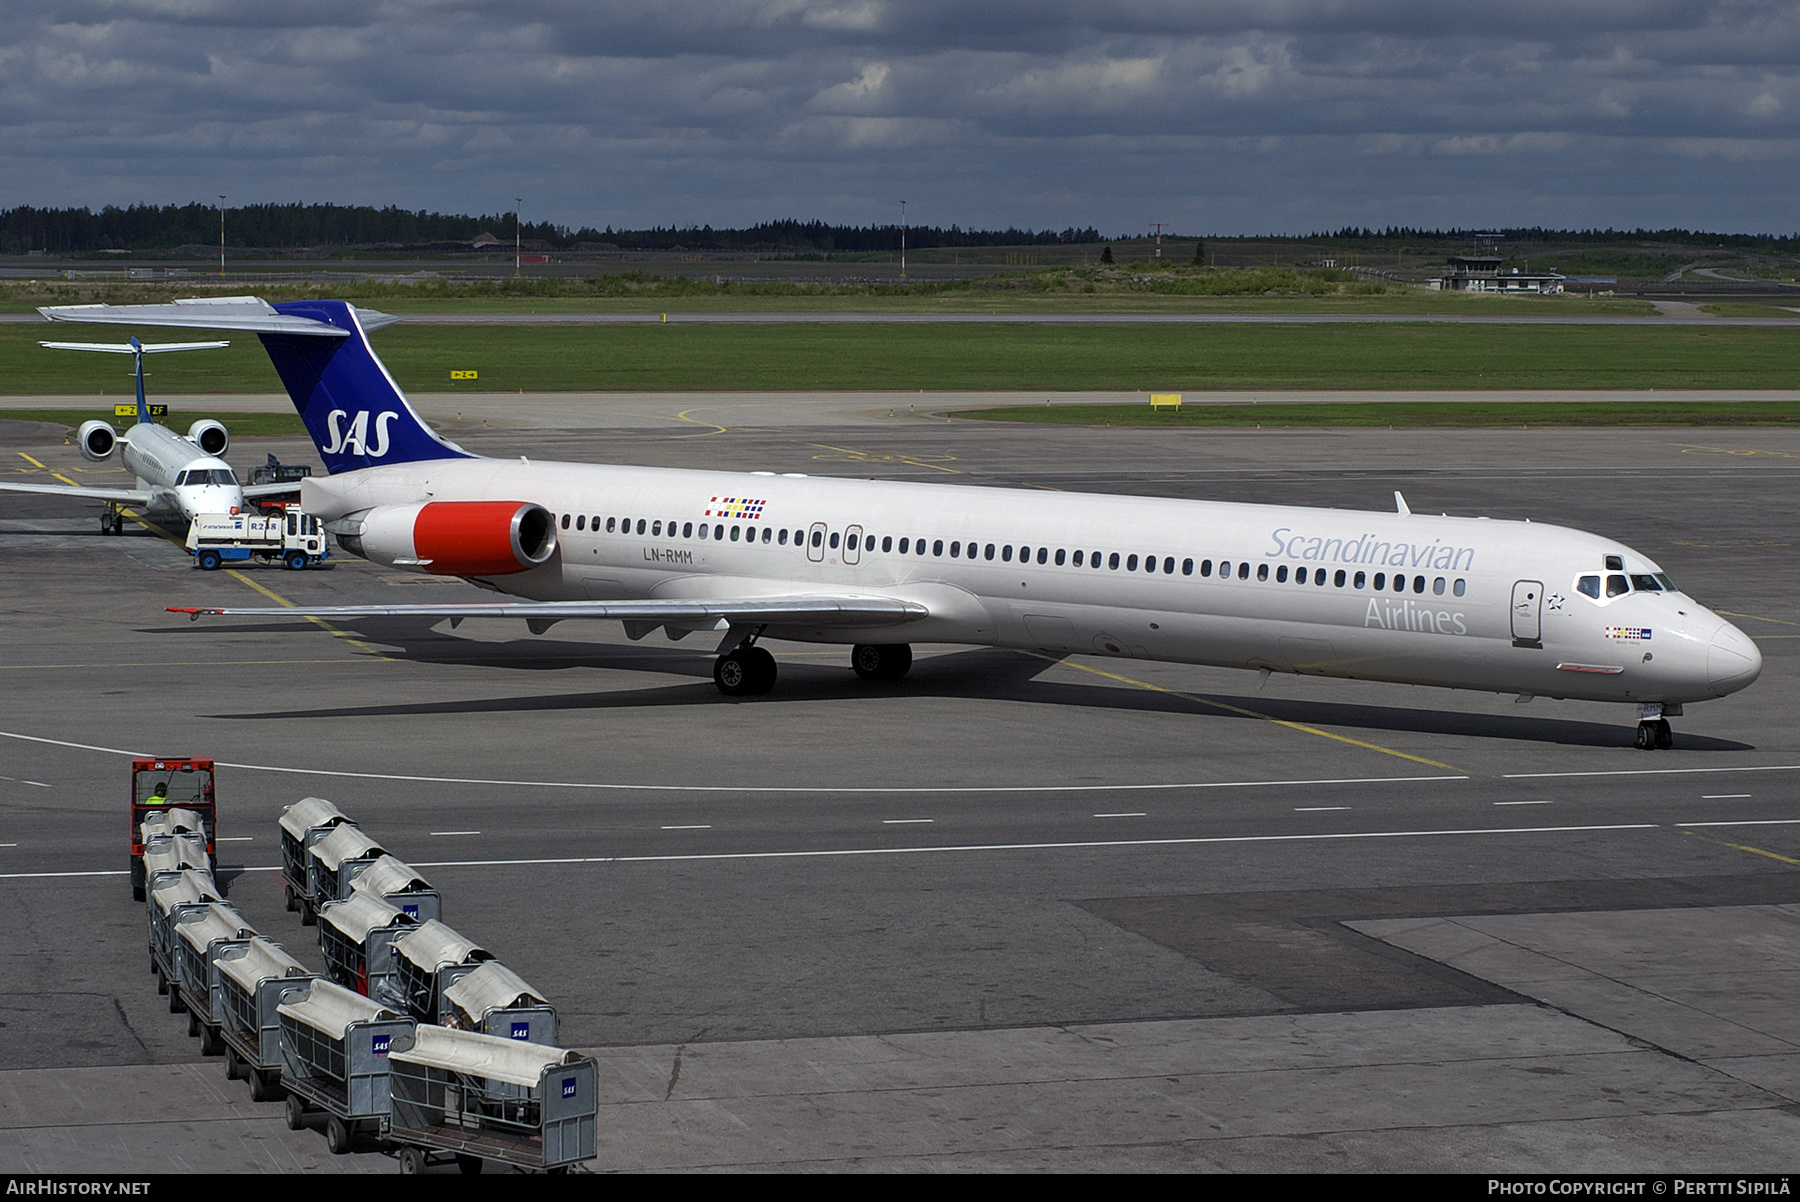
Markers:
(1506, 606)
(179, 476)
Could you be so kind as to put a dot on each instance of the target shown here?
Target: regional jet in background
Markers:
(1511, 607)
(175, 475)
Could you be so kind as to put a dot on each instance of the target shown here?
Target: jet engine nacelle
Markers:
(209, 436)
(98, 440)
(456, 538)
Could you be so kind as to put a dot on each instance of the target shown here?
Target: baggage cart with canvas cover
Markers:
(430, 959)
(334, 1057)
(356, 938)
(338, 859)
(172, 894)
(479, 1097)
(200, 931)
(495, 1001)
(249, 980)
(303, 824)
(401, 886)
(168, 783)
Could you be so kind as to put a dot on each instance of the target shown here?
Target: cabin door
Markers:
(1527, 606)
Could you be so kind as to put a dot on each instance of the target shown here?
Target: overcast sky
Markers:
(1212, 116)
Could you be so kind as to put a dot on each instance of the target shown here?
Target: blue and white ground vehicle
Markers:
(296, 539)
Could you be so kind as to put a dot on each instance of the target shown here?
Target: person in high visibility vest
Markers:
(159, 794)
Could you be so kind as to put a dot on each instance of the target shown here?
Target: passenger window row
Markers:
(1025, 554)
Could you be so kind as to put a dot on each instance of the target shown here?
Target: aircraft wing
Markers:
(124, 496)
(732, 617)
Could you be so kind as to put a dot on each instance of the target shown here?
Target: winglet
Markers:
(1400, 505)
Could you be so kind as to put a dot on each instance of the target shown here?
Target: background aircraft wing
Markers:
(124, 496)
(256, 492)
(682, 617)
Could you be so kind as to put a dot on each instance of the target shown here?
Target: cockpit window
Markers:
(208, 475)
(1589, 586)
(1668, 585)
(1617, 586)
(1645, 584)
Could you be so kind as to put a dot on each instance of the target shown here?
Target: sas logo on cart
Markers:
(379, 1044)
(1635, 633)
(355, 439)
(568, 1087)
(521, 1030)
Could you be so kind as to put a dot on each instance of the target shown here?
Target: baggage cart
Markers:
(303, 824)
(494, 1000)
(334, 1057)
(336, 860)
(249, 980)
(160, 784)
(430, 958)
(172, 894)
(356, 939)
(479, 1097)
(401, 886)
(199, 933)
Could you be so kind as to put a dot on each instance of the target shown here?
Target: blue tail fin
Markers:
(354, 411)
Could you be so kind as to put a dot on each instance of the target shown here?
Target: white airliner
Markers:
(1500, 606)
(175, 475)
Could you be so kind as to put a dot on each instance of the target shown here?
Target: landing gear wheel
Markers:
(296, 1113)
(1665, 737)
(209, 561)
(886, 661)
(745, 671)
(1646, 736)
(337, 1136)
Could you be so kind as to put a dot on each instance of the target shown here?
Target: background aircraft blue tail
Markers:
(354, 411)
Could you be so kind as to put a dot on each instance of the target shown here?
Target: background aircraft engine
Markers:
(209, 436)
(457, 538)
(97, 440)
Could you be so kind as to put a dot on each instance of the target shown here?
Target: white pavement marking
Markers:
(775, 789)
(1081, 845)
(1651, 772)
(1746, 822)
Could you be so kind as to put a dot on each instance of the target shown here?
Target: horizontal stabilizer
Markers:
(692, 615)
(126, 348)
(214, 313)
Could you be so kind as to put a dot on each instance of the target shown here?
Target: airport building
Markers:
(1480, 273)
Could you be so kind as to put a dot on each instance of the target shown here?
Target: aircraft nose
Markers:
(1732, 661)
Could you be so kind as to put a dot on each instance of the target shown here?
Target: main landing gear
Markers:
(747, 669)
(1653, 732)
(887, 661)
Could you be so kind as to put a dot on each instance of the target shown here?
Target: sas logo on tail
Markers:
(355, 440)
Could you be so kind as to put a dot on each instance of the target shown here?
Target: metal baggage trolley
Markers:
(199, 933)
(356, 939)
(429, 959)
(334, 1057)
(494, 1000)
(249, 980)
(480, 1097)
(336, 860)
(303, 824)
(400, 885)
(172, 893)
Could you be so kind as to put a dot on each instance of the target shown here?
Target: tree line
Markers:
(304, 226)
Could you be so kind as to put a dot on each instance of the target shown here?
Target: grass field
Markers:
(1411, 414)
(245, 425)
(802, 357)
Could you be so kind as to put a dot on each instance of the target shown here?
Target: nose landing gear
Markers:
(1653, 731)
